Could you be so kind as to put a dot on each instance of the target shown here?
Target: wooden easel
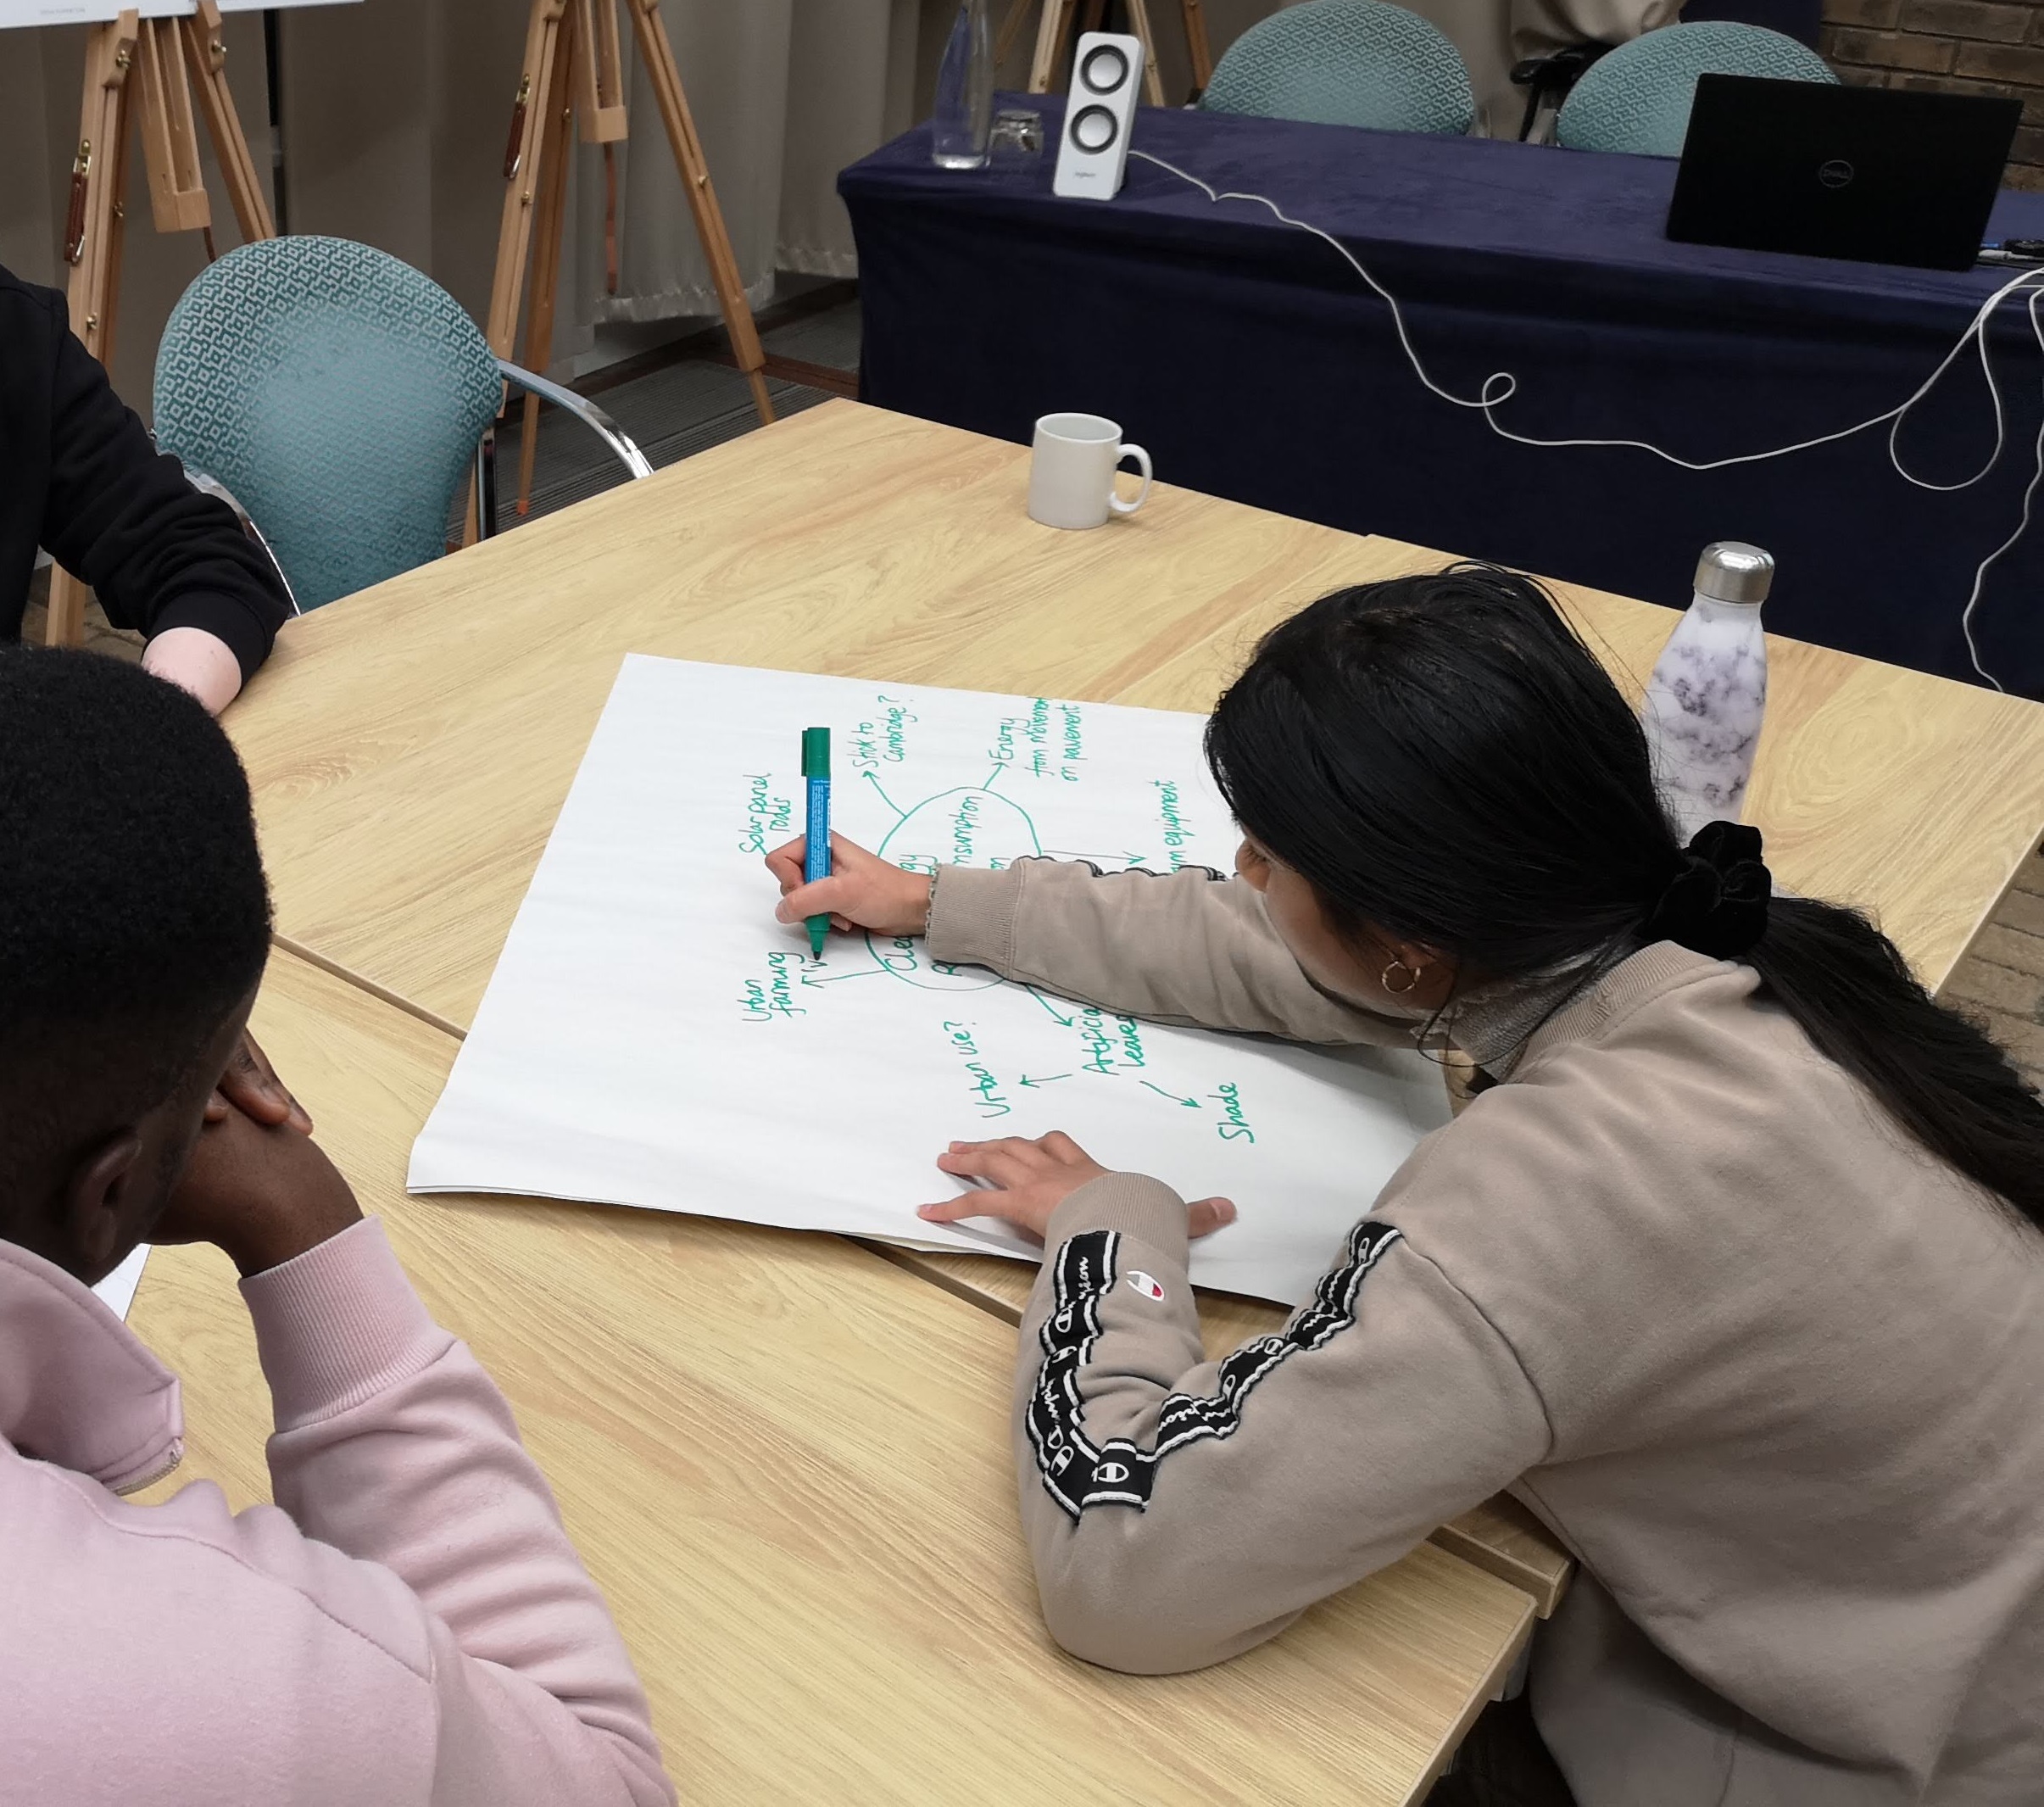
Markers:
(574, 64)
(1054, 34)
(158, 53)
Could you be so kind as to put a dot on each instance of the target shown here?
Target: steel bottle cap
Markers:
(1730, 571)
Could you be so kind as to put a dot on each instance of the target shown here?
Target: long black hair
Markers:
(1443, 760)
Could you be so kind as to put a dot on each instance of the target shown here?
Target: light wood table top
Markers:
(411, 746)
(787, 1464)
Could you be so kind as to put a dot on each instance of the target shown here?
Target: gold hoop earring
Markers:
(1412, 972)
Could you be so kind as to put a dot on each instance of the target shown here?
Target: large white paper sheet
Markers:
(651, 1036)
(118, 1288)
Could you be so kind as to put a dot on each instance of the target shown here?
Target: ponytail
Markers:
(1936, 1073)
(1444, 761)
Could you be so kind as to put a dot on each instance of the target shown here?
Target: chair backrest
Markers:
(1345, 62)
(1638, 98)
(339, 393)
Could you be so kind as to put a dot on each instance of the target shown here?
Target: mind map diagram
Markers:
(984, 824)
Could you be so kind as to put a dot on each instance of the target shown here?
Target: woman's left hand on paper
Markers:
(1024, 1180)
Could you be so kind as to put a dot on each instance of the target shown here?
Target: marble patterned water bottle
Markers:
(1708, 694)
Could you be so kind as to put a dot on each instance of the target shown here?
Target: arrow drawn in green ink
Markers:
(1026, 1081)
(884, 798)
(1190, 1104)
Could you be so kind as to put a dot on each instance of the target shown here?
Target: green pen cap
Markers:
(815, 752)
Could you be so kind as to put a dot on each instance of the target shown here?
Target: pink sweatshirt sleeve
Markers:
(393, 1445)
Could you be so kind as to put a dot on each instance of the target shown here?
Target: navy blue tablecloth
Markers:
(1253, 364)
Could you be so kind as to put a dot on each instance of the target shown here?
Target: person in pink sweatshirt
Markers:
(408, 1625)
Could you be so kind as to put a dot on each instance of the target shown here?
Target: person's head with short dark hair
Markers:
(133, 925)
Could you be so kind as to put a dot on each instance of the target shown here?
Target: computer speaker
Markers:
(1093, 152)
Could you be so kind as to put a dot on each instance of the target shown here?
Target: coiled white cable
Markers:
(1501, 386)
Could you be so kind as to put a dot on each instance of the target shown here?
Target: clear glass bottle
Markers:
(965, 92)
(1707, 696)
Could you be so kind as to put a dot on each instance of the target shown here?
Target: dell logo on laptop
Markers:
(1835, 173)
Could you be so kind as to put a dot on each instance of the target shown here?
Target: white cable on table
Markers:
(1501, 386)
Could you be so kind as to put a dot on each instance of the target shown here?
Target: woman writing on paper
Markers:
(1732, 1271)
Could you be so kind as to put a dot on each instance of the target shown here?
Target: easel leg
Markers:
(1011, 28)
(553, 183)
(170, 136)
(206, 54)
(530, 112)
(658, 55)
(1050, 41)
(530, 109)
(92, 245)
(97, 181)
(1153, 83)
(129, 65)
(1197, 47)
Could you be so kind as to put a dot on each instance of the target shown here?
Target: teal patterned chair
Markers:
(342, 398)
(1638, 98)
(1345, 62)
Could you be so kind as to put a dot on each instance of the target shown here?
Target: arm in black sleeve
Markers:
(121, 516)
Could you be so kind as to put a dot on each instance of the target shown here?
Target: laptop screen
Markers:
(1884, 175)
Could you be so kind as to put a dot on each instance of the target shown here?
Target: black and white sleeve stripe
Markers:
(1076, 1474)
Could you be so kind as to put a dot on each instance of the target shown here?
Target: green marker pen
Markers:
(816, 861)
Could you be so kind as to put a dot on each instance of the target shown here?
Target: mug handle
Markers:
(1142, 495)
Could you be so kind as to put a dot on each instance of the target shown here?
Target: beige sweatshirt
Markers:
(1774, 1375)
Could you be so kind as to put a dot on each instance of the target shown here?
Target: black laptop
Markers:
(1888, 177)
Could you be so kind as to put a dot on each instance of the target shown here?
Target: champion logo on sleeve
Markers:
(1077, 1474)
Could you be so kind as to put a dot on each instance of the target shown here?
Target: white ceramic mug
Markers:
(1072, 475)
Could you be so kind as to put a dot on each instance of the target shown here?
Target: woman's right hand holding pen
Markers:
(863, 891)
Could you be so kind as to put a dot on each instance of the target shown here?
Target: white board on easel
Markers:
(14, 13)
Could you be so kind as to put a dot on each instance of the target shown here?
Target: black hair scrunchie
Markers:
(1718, 904)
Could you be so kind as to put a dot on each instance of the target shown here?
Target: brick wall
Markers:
(1963, 47)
